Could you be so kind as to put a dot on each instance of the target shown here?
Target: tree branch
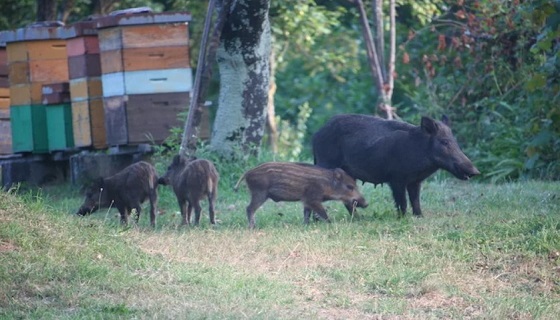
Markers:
(379, 35)
(370, 47)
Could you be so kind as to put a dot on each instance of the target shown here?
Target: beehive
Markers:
(36, 56)
(84, 68)
(5, 124)
(56, 99)
(146, 75)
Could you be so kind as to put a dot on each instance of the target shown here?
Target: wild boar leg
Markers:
(211, 199)
(197, 210)
(124, 215)
(153, 208)
(306, 214)
(399, 195)
(189, 212)
(318, 208)
(183, 208)
(137, 209)
(257, 200)
(414, 196)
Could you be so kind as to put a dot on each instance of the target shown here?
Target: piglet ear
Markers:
(337, 175)
(429, 125)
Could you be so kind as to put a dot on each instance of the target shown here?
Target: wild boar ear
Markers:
(445, 120)
(176, 160)
(338, 174)
(429, 125)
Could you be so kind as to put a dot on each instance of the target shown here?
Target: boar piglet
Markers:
(126, 190)
(287, 181)
(375, 150)
(192, 179)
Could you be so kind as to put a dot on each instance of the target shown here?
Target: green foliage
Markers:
(291, 138)
(16, 13)
(484, 68)
(492, 66)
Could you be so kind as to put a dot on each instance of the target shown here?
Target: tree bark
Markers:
(243, 60)
(271, 112)
(46, 10)
(379, 34)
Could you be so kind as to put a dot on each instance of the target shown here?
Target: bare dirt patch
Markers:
(6, 246)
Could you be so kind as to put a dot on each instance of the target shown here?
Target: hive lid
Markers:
(141, 16)
(43, 30)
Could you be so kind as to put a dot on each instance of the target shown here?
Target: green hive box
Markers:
(29, 128)
(59, 127)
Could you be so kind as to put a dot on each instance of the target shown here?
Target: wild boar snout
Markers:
(85, 210)
(360, 203)
(465, 171)
(163, 180)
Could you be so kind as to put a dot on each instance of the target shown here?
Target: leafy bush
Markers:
(493, 68)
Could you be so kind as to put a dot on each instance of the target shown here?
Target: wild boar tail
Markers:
(238, 182)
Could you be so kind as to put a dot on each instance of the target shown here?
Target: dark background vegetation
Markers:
(492, 66)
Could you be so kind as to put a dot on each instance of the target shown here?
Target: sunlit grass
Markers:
(481, 251)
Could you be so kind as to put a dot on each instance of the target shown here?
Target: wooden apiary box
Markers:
(26, 94)
(37, 61)
(29, 128)
(55, 93)
(146, 74)
(5, 124)
(147, 117)
(88, 123)
(4, 102)
(149, 58)
(84, 64)
(147, 82)
(59, 127)
(5, 136)
(86, 88)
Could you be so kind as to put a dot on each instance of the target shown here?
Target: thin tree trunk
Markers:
(68, 7)
(243, 60)
(271, 112)
(206, 57)
(390, 77)
(383, 81)
(379, 34)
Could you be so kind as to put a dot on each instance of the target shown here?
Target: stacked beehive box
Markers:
(84, 67)
(36, 56)
(5, 126)
(56, 99)
(146, 75)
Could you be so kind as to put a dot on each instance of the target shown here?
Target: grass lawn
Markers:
(481, 251)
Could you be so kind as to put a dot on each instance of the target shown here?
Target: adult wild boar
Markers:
(287, 181)
(376, 150)
(126, 190)
(192, 179)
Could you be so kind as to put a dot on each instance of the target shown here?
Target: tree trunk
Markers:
(243, 60)
(102, 7)
(272, 129)
(46, 10)
(207, 55)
